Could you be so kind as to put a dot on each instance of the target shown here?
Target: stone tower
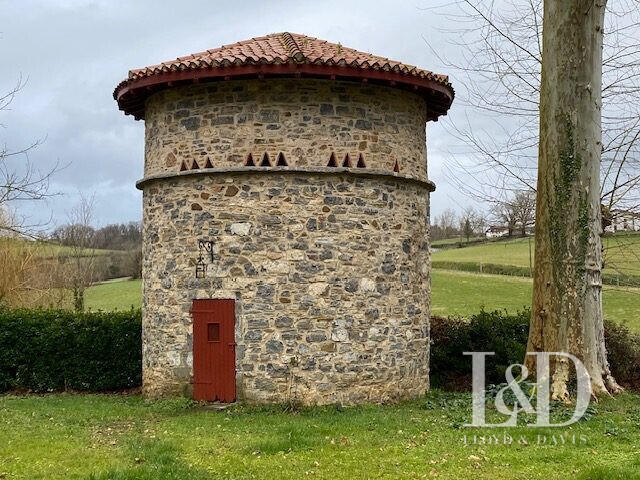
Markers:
(288, 175)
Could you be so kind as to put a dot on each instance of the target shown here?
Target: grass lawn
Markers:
(49, 249)
(462, 293)
(454, 293)
(120, 437)
(115, 295)
(622, 253)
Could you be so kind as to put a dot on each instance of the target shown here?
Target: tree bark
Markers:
(567, 292)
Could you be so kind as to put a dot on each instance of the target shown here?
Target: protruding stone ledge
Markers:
(356, 172)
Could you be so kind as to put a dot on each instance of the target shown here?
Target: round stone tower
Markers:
(286, 222)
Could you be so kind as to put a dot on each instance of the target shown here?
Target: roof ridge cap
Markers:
(292, 47)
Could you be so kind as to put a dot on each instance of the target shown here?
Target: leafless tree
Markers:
(471, 223)
(479, 222)
(504, 215)
(26, 278)
(466, 227)
(524, 204)
(499, 78)
(561, 117)
(518, 211)
(445, 225)
(80, 253)
(567, 286)
(20, 180)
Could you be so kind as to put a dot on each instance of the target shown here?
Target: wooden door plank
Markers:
(214, 368)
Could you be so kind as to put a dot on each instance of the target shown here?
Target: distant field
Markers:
(52, 249)
(453, 293)
(115, 295)
(48, 249)
(462, 293)
(622, 253)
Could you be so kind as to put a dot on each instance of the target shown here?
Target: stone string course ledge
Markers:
(362, 173)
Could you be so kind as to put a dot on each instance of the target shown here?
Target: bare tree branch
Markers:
(500, 46)
(20, 180)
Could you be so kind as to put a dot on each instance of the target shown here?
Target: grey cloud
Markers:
(74, 52)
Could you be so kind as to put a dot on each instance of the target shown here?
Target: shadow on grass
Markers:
(152, 460)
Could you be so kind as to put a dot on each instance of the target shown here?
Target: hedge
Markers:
(49, 350)
(608, 278)
(507, 335)
(53, 350)
(498, 332)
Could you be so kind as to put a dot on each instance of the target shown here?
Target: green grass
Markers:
(49, 249)
(124, 437)
(115, 295)
(622, 253)
(453, 293)
(463, 294)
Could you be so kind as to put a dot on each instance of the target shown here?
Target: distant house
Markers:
(496, 231)
(624, 221)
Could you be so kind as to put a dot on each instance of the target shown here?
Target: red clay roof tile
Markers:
(282, 49)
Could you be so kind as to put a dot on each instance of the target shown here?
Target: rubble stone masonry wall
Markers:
(329, 267)
(305, 120)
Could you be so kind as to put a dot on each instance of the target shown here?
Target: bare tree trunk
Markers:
(79, 236)
(567, 293)
(78, 299)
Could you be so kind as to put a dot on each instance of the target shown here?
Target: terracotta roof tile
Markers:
(279, 49)
(283, 48)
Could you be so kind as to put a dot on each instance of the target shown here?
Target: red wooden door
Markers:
(214, 357)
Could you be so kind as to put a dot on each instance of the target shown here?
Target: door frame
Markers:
(210, 311)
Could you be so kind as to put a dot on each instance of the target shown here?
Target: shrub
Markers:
(623, 353)
(477, 267)
(48, 350)
(498, 332)
(506, 335)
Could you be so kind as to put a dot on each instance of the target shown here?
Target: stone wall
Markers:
(330, 274)
(305, 120)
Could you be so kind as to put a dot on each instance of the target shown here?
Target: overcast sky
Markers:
(74, 52)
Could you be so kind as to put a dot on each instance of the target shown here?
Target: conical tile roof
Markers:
(282, 54)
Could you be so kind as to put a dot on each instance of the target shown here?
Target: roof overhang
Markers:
(132, 93)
